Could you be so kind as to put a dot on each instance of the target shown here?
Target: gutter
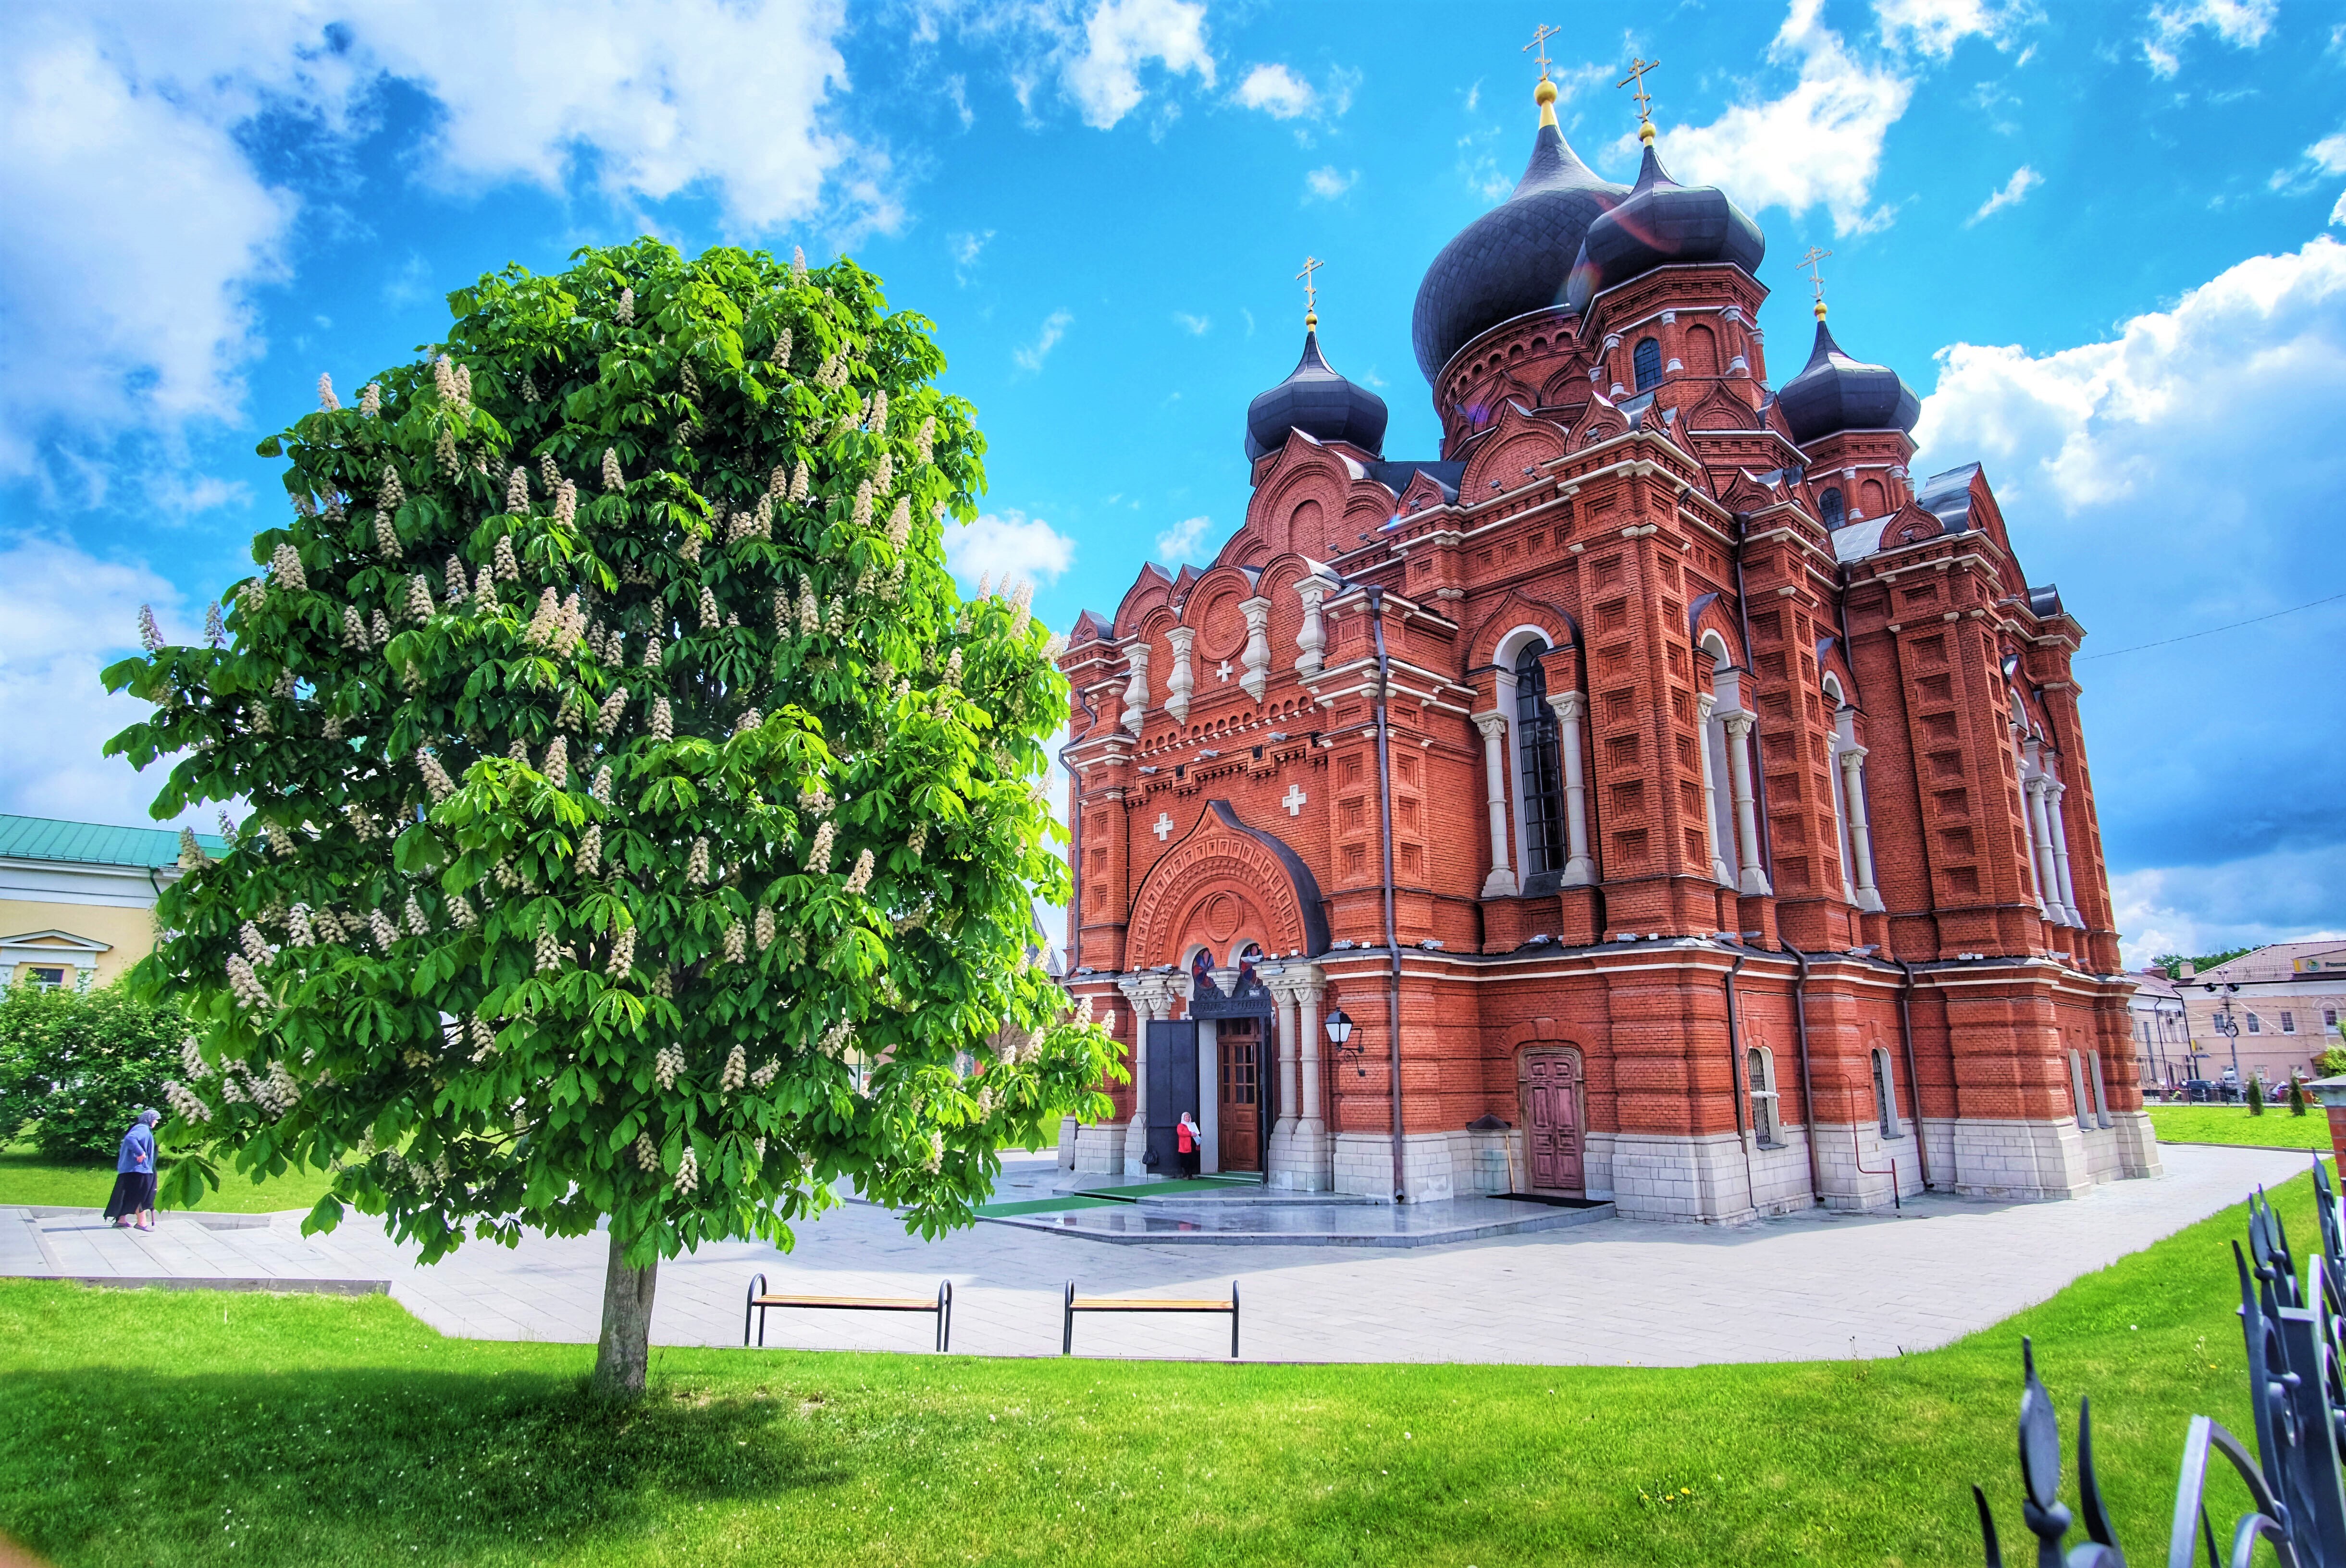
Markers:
(1384, 820)
(1914, 1082)
(1808, 1100)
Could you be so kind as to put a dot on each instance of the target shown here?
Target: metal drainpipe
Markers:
(1736, 1080)
(1914, 1082)
(1384, 818)
(1807, 1096)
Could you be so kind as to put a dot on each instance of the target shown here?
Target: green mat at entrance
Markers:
(1190, 1184)
(1043, 1206)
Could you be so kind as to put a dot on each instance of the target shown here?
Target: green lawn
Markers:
(28, 1176)
(2233, 1125)
(193, 1428)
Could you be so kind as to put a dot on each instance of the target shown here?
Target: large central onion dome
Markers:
(1835, 392)
(1517, 258)
(1318, 401)
(1661, 224)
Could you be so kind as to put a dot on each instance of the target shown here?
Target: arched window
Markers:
(2077, 1089)
(1831, 504)
(1647, 362)
(1759, 1069)
(1541, 779)
(1885, 1095)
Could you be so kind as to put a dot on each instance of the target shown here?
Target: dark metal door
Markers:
(1172, 1089)
(1238, 1052)
(1551, 1084)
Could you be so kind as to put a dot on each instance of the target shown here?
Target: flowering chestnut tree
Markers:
(641, 826)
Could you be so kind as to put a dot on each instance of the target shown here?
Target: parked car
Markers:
(2198, 1091)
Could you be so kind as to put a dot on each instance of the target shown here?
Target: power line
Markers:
(2211, 631)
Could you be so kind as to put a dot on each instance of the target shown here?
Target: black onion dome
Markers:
(1318, 401)
(1835, 392)
(1513, 259)
(1661, 223)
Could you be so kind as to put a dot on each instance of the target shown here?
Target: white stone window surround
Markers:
(1503, 657)
(2101, 1092)
(1844, 737)
(2077, 1091)
(1858, 876)
(1737, 770)
(1767, 1119)
(1885, 1093)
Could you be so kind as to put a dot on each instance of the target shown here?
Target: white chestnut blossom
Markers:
(736, 942)
(663, 722)
(613, 480)
(763, 926)
(687, 1174)
(184, 1104)
(435, 778)
(819, 856)
(737, 1069)
(623, 953)
(371, 399)
(507, 568)
(668, 1064)
(861, 878)
(326, 399)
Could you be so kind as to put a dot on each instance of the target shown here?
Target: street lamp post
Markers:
(2229, 1028)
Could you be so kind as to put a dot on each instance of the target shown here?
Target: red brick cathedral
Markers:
(1661, 796)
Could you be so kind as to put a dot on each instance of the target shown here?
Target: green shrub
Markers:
(80, 1066)
(2331, 1063)
(2256, 1095)
(2296, 1096)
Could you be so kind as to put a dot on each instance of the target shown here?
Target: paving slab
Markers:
(1607, 1291)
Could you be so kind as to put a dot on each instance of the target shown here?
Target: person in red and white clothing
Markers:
(1187, 1140)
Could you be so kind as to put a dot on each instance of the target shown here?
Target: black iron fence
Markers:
(2295, 1327)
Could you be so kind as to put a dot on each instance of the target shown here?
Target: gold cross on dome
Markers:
(1537, 47)
(1311, 291)
(1638, 69)
(1816, 276)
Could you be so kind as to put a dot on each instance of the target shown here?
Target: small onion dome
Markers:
(1515, 257)
(1835, 392)
(1662, 223)
(1318, 401)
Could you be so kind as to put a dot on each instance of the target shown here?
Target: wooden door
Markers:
(1239, 1056)
(1551, 1087)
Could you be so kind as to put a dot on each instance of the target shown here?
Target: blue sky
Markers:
(2102, 241)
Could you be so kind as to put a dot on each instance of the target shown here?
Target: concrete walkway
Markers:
(1614, 1291)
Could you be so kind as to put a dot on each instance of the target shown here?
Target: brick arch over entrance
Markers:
(1226, 874)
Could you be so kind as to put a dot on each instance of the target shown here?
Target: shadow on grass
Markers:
(374, 1465)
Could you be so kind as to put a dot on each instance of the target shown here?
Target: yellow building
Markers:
(78, 900)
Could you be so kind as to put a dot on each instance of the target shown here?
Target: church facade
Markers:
(1661, 796)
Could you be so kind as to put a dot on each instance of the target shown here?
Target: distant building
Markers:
(78, 900)
(2285, 999)
(2162, 1033)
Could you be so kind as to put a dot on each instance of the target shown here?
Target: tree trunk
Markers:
(624, 1353)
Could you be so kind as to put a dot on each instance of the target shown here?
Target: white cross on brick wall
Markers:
(1163, 826)
(1225, 670)
(1294, 800)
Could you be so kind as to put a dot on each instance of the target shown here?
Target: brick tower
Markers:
(1654, 797)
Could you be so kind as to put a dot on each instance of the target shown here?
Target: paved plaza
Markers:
(1610, 1292)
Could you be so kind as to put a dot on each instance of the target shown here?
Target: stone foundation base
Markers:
(1301, 1157)
(1099, 1151)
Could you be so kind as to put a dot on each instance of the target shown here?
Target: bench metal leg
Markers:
(1068, 1328)
(757, 1289)
(1234, 1319)
(944, 1315)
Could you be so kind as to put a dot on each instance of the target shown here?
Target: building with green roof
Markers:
(77, 899)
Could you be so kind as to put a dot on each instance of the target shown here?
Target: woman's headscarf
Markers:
(149, 1117)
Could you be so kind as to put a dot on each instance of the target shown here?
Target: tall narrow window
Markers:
(1834, 508)
(1760, 1068)
(2077, 1090)
(2288, 1023)
(1648, 361)
(1885, 1095)
(1542, 778)
(2255, 1024)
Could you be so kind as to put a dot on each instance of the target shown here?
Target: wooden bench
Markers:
(1142, 1304)
(761, 1301)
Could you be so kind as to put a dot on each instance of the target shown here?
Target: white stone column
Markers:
(1501, 883)
(1754, 881)
(2040, 832)
(1151, 996)
(1135, 694)
(1721, 872)
(1579, 870)
(1312, 640)
(1311, 1151)
(1183, 681)
(1277, 1165)
(1256, 660)
(1860, 835)
(2054, 790)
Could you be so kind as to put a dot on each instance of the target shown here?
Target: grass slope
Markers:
(30, 1177)
(200, 1429)
(2275, 1129)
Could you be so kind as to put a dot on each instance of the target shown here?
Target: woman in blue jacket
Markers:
(134, 1176)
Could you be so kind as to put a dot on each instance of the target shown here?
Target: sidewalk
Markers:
(1612, 1291)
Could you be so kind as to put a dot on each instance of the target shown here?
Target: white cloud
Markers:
(1934, 28)
(1010, 547)
(2279, 897)
(1054, 327)
(139, 225)
(1185, 539)
(65, 615)
(2329, 154)
(1119, 38)
(1195, 326)
(1277, 92)
(2015, 190)
(1328, 184)
(2118, 466)
(965, 248)
(1819, 145)
(2242, 23)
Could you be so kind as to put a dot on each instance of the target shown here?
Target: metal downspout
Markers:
(1913, 1083)
(1736, 1079)
(1384, 820)
(1808, 1099)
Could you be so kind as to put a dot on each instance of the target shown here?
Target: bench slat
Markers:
(1146, 1304)
(864, 1303)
